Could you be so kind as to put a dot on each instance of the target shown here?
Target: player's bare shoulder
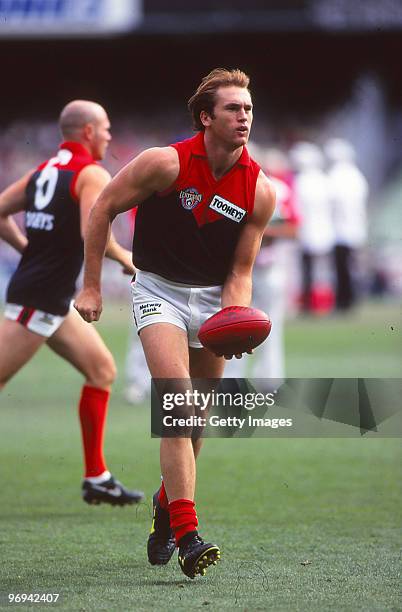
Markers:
(94, 176)
(94, 171)
(159, 165)
(265, 196)
(153, 170)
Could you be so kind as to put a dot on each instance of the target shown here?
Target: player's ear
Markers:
(89, 130)
(205, 118)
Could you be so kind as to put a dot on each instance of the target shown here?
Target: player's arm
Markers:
(287, 226)
(238, 285)
(12, 201)
(153, 170)
(285, 230)
(90, 184)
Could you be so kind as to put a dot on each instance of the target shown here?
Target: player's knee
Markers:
(108, 372)
(103, 372)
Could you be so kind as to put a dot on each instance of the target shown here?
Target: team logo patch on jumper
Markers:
(149, 309)
(227, 209)
(47, 318)
(189, 198)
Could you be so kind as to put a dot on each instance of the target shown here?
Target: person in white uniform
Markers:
(270, 275)
(348, 196)
(316, 232)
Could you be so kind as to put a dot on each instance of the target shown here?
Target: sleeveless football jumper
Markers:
(46, 275)
(188, 233)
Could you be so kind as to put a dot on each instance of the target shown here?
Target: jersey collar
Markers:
(198, 149)
(76, 148)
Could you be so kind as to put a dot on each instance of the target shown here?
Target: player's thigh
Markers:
(81, 345)
(169, 356)
(204, 364)
(17, 346)
(208, 367)
(166, 350)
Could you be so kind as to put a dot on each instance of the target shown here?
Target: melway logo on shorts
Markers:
(227, 209)
(150, 308)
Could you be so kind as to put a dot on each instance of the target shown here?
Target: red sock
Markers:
(183, 518)
(162, 497)
(92, 411)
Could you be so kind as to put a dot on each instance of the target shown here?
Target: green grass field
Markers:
(304, 524)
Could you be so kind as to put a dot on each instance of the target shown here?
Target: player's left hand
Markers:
(127, 263)
(129, 270)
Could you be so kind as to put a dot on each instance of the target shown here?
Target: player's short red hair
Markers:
(204, 97)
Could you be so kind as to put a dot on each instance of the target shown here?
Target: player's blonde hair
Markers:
(205, 96)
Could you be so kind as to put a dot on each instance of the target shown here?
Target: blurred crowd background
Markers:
(328, 120)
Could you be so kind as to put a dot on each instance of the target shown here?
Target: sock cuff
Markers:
(102, 477)
(183, 518)
(181, 504)
(94, 392)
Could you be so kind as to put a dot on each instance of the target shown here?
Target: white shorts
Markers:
(42, 323)
(158, 300)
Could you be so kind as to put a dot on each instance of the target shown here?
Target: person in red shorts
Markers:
(56, 198)
(203, 205)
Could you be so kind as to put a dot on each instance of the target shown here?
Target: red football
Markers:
(234, 330)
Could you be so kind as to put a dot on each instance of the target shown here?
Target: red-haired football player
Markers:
(203, 205)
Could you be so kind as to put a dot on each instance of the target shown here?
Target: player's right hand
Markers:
(89, 304)
(238, 355)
